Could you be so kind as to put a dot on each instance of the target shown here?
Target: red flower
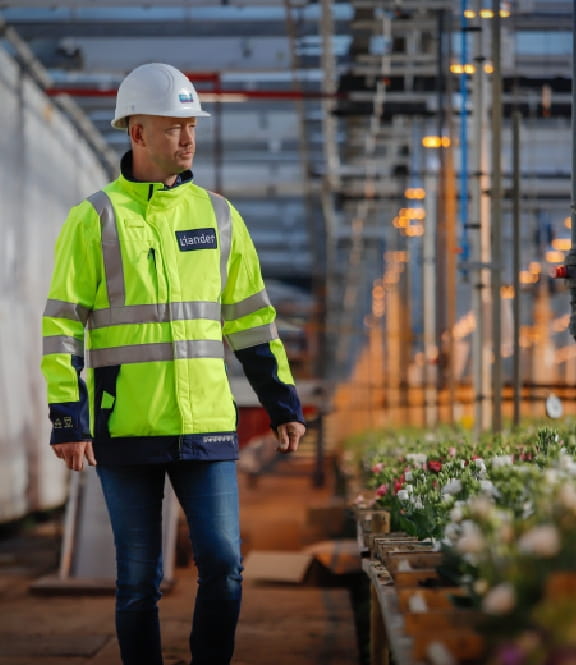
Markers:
(434, 465)
(398, 484)
(382, 490)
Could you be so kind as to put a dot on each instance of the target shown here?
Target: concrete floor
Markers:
(282, 623)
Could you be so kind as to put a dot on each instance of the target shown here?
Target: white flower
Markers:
(480, 465)
(448, 499)
(541, 541)
(451, 532)
(456, 514)
(488, 487)
(567, 463)
(480, 506)
(551, 476)
(500, 599)
(502, 460)
(417, 503)
(408, 476)
(403, 495)
(409, 488)
(418, 459)
(471, 542)
(453, 486)
(567, 496)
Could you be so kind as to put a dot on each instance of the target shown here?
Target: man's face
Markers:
(168, 143)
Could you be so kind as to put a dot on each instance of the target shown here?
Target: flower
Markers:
(471, 542)
(567, 496)
(541, 541)
(382, 490)
(453, 486)
(480, 506)
(501, 599)
(435, 465)
(377, 468)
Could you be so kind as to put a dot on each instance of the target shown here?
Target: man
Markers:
(157, 271)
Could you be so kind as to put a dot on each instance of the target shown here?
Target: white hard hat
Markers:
(156, 89)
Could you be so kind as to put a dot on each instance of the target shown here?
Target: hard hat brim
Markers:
(122, 123)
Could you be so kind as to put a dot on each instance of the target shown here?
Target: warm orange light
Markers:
(535, 267)
(414, 230)
(553, 256)
(436, 141)
(562, 244)
(488, 68)
(412, 213)
(396, 257)
(568, 222)
(507, 291)
(462, 69)
(401, 221)
(415, 193)
(527, 277)
(488, 13)
(469, 13)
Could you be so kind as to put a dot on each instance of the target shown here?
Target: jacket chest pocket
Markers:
(143, 266)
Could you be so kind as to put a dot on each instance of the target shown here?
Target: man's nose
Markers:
(186, 137)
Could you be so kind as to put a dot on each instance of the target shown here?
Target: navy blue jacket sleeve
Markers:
(280, 400)
(70, 420)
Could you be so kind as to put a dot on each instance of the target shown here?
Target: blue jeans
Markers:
(208, 494)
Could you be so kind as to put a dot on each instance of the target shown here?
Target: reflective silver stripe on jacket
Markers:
(224, 224)
(156, 352)
(66, 310)
(62, 344)
(110, 249)
(252, 336)
(245, 307)
(158, 313)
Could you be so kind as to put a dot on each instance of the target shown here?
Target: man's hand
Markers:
(74, 452)
(289, 435)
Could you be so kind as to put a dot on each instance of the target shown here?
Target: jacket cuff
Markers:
(69, 422)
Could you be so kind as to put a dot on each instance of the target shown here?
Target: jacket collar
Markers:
(145, 190)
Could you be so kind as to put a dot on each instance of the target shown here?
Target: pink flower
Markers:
(377, 467)
(382, 490)
(452, 451)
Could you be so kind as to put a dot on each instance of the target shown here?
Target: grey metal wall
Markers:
(46, 168)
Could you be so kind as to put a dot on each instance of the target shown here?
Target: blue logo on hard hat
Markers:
(185, 96)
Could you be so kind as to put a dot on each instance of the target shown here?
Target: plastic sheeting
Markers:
(46, 168)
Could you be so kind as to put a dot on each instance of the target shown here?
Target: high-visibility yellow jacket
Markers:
(153, 279)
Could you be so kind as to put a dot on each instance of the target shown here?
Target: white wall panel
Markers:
(46, 168)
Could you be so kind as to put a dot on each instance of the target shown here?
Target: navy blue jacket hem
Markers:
(211, 447)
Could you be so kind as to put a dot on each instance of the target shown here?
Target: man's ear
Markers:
(136, 133)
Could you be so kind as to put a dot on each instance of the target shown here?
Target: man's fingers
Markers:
(90, 454)
(73, 454)
(289, 435)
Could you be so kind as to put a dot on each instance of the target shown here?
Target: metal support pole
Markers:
(571, 257)
(496, 218)
(516, 262)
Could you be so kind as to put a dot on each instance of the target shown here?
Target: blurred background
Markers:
(404, 167)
